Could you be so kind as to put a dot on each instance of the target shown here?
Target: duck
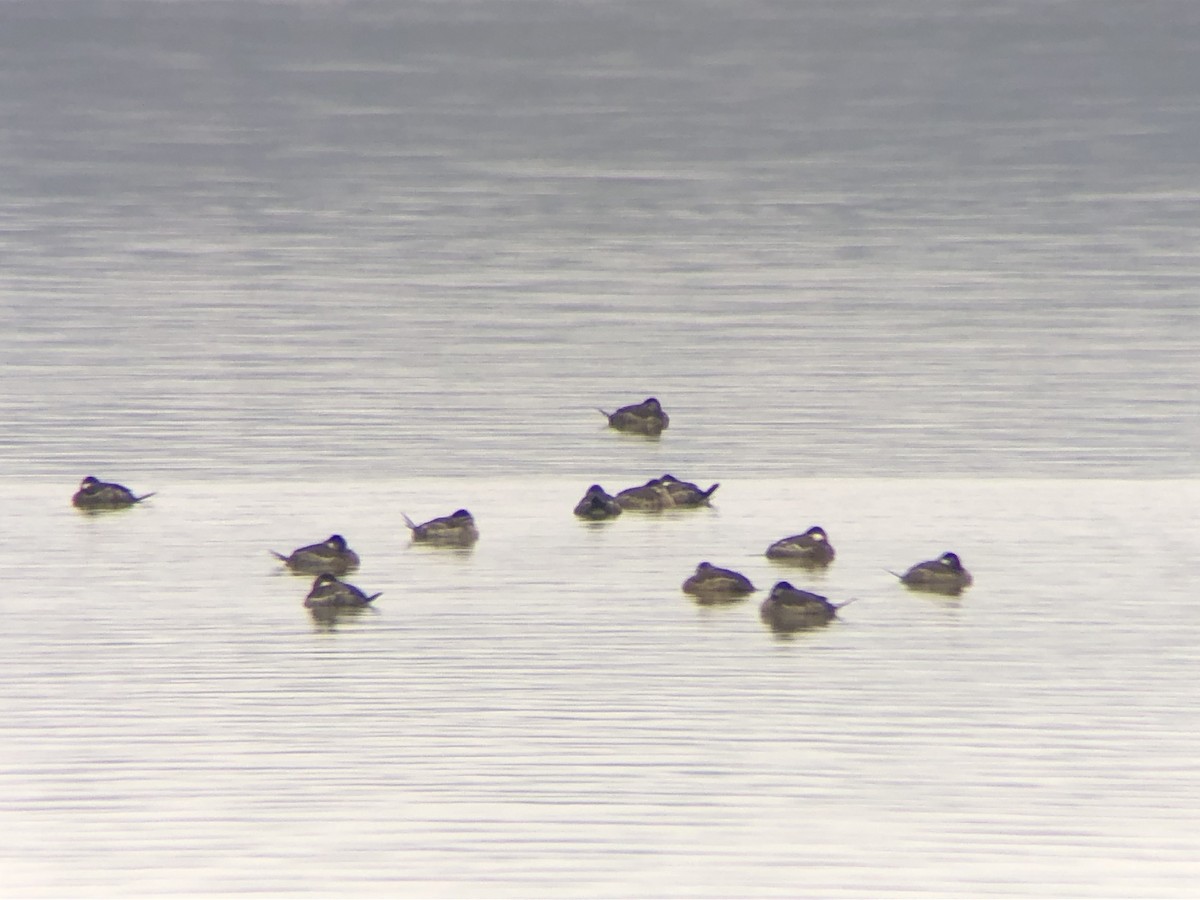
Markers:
(685, 493)
(809, 549)
(944, 575)
(94, 494)
(597, 504)
(330, 593)
(788, 608)
(711, 582)
(647, 417)
(652, 496)
(331, 556)
(455, 530)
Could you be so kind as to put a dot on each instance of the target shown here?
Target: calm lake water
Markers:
(922, 273)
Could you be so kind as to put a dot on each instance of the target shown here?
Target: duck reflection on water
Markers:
(326, 619)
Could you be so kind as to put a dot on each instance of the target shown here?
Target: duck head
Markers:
(951, 561)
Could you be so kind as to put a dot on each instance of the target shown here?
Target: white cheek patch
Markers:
(818, 536)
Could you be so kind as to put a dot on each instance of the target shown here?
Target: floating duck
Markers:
(788, 608)
(667, 492)
(652, 496)
(329, 593)
(331, 556)
(647, 417)
(597, 504)
(94, 494)
(455, 530)
(684, 493)
(944, 575)
(809, 549)
(714, 583)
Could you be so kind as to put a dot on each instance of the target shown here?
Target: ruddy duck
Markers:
(329, 593)
(597, 504)
(95, 494)
(944, 575)
(455, 530)
(788, 608)
(714, 583)
(809, 549)
(647, 417)
(652, 496)
(331, 555)
(684, 493)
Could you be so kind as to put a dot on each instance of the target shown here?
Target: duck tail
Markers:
(846, 603)
(896, 574)
(278, 556)
(373, 596)
(603, 413)
(409, 522)
(709, 492)
(144, 497)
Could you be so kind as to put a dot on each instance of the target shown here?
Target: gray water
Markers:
(922, 273)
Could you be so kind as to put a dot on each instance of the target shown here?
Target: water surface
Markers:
(833, 241)
(921, 273)
(549, 713)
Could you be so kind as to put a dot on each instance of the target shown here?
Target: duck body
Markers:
(597, 504)
(329, 593)
(649, 497)
(667, 492)
(685, 493)
(647, 417)
(455, 530)
(944, 575)
(331, 556)
(714, 583)
(788, 608)
(809, 549)
(94, 494)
